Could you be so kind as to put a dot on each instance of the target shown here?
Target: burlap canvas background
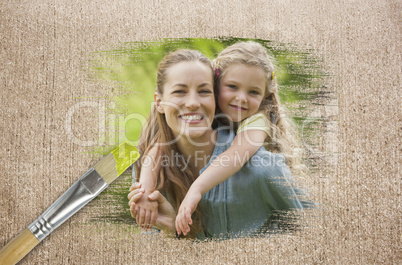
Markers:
(44, 45)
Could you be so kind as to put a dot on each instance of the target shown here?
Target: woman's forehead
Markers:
(192, 71)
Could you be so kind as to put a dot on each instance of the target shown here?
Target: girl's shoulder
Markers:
(257, 121)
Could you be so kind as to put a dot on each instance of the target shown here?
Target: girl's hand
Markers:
(136, 192)
(146, 212)
(166, 214)
(187, 207)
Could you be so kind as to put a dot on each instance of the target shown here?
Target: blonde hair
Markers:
(283, 130)
(175, 180)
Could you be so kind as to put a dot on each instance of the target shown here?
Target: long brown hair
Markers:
(283, 130)
(174, 180)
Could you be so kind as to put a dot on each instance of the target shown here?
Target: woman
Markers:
(179, 129)
(181, 123)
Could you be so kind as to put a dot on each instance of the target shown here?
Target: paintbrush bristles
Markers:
(107, 168)
(115, 163)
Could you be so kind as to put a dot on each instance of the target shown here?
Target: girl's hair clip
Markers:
(216, 67)
(217, 71)
(273, 75)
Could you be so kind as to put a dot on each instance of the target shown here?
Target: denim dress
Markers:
(260, 198)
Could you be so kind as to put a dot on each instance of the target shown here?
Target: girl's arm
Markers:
(243, 147)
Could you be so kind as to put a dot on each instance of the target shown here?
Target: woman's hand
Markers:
(166, 214)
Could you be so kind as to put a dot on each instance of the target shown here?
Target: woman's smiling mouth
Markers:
(192, 118)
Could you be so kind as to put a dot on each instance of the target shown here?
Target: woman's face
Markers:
(188, 99)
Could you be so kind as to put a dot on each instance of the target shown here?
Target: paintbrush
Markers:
(93, 182)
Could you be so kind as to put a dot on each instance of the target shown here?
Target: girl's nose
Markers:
(241, 97)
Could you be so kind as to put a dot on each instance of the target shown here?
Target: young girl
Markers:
(247, 95)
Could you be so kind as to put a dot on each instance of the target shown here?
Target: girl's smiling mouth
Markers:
(239, 108)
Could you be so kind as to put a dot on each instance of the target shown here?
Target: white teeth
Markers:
(191, 117)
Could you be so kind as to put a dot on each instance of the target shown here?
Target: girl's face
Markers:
(188, 99)
(241, 91)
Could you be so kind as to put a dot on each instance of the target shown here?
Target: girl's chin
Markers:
(235, 119)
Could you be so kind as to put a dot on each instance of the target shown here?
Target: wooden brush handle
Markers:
(18, 247)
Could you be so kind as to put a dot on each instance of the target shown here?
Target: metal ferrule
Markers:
(76, 197)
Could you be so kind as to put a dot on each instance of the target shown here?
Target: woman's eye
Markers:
(206, 91)
(178, 91)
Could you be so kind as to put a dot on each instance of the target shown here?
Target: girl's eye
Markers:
(254, 93)
(232, 86)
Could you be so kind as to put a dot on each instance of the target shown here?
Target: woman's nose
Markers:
(192, 101)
